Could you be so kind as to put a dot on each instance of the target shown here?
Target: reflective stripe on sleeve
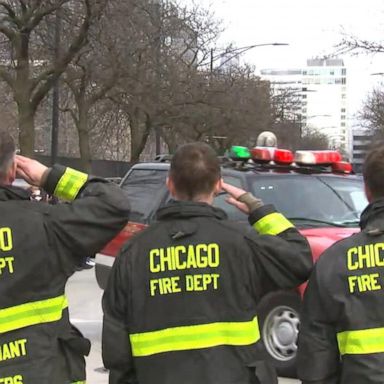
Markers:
(70, 184)
(272, 224)
(37, 312)
(364, 341)
(195, 337)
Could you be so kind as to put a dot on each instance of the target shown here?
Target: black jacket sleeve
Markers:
(282, 254)
(116, 347)
(84, 226)
(318, 354)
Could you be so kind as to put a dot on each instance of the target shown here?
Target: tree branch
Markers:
(8, 32)
(47, 80)
(4, 74)
(8, 9)
(37, 17)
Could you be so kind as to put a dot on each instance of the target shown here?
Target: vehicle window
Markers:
(144, 188)
(232, 212)
(314, 200)
(351, 192)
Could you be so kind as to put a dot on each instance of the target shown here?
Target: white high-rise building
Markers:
(286, 83)
(322, 88)
(324, 105)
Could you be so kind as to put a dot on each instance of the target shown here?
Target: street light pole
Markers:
(56, 94)
(237, 52)
(157, 17)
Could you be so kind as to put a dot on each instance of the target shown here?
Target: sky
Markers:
(311, 28)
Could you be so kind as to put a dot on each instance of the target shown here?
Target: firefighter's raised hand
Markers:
(31, 170)
(241, 199)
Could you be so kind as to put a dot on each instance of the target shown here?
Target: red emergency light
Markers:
(267, 154)
(317, 157)
(342, 167)
(283, 156)
(262, 154)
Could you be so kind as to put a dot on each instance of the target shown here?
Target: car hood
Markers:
(322, 238)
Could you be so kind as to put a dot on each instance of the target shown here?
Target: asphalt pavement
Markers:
(84, 297)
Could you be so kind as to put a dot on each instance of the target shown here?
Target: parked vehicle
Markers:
(315, 190)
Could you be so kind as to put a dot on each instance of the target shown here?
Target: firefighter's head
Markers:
(7, 159)
(373, 172)
(195, 173)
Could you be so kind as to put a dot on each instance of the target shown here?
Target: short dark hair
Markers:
(195, 169)
(7, 151)
(373, 171)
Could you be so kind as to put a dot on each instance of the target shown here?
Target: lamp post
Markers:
(157, 17)
(236, 52)
(56, 94)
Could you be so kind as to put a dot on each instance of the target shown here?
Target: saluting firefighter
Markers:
(180, 306)
(341, 339)
(40, 247)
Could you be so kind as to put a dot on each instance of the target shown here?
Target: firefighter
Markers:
(180, 305)
(40, 247)
(341, 336)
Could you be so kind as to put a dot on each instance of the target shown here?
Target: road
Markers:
(84, 297)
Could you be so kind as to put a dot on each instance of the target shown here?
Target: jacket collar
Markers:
(13, 193)
(372, 217)
(187, 209)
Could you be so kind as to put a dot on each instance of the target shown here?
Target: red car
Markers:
(317, 193)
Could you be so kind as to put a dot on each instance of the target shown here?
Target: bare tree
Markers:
(314, 140)
(26, 66)
(355, 45)
(91, 77)
(372, 113)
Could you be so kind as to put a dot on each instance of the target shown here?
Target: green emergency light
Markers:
(239, 153)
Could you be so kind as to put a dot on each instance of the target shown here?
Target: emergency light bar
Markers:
(317, 157)
(285, 157)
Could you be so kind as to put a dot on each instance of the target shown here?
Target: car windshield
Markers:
(310, 200)
(144, 188)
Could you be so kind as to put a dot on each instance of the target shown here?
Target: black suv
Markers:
(324, 205)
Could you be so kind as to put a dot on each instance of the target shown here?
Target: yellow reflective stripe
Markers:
(272, 224)
(70, 184)
(195, 337)
(364, 341)
(37, 312)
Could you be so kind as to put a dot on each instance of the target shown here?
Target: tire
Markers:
(279, 322)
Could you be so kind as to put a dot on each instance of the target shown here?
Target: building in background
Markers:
(325, 107)
(287, 90)
(282, 79)
(322, 89)
(361, 142)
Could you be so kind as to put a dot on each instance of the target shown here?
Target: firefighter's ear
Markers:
(218, 187)
(171, 186)
(10, 176)
(368, 193)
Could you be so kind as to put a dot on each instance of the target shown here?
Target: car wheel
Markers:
(279, 326)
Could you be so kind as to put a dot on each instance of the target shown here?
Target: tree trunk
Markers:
(84, 145)
(170, 138)
(26, 112)
(139, 135)
(26, 119)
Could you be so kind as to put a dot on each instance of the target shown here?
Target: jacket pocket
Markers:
(74, 347)
(263, 372)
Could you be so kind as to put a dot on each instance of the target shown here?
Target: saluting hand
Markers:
(234, 194)
(31, 170)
